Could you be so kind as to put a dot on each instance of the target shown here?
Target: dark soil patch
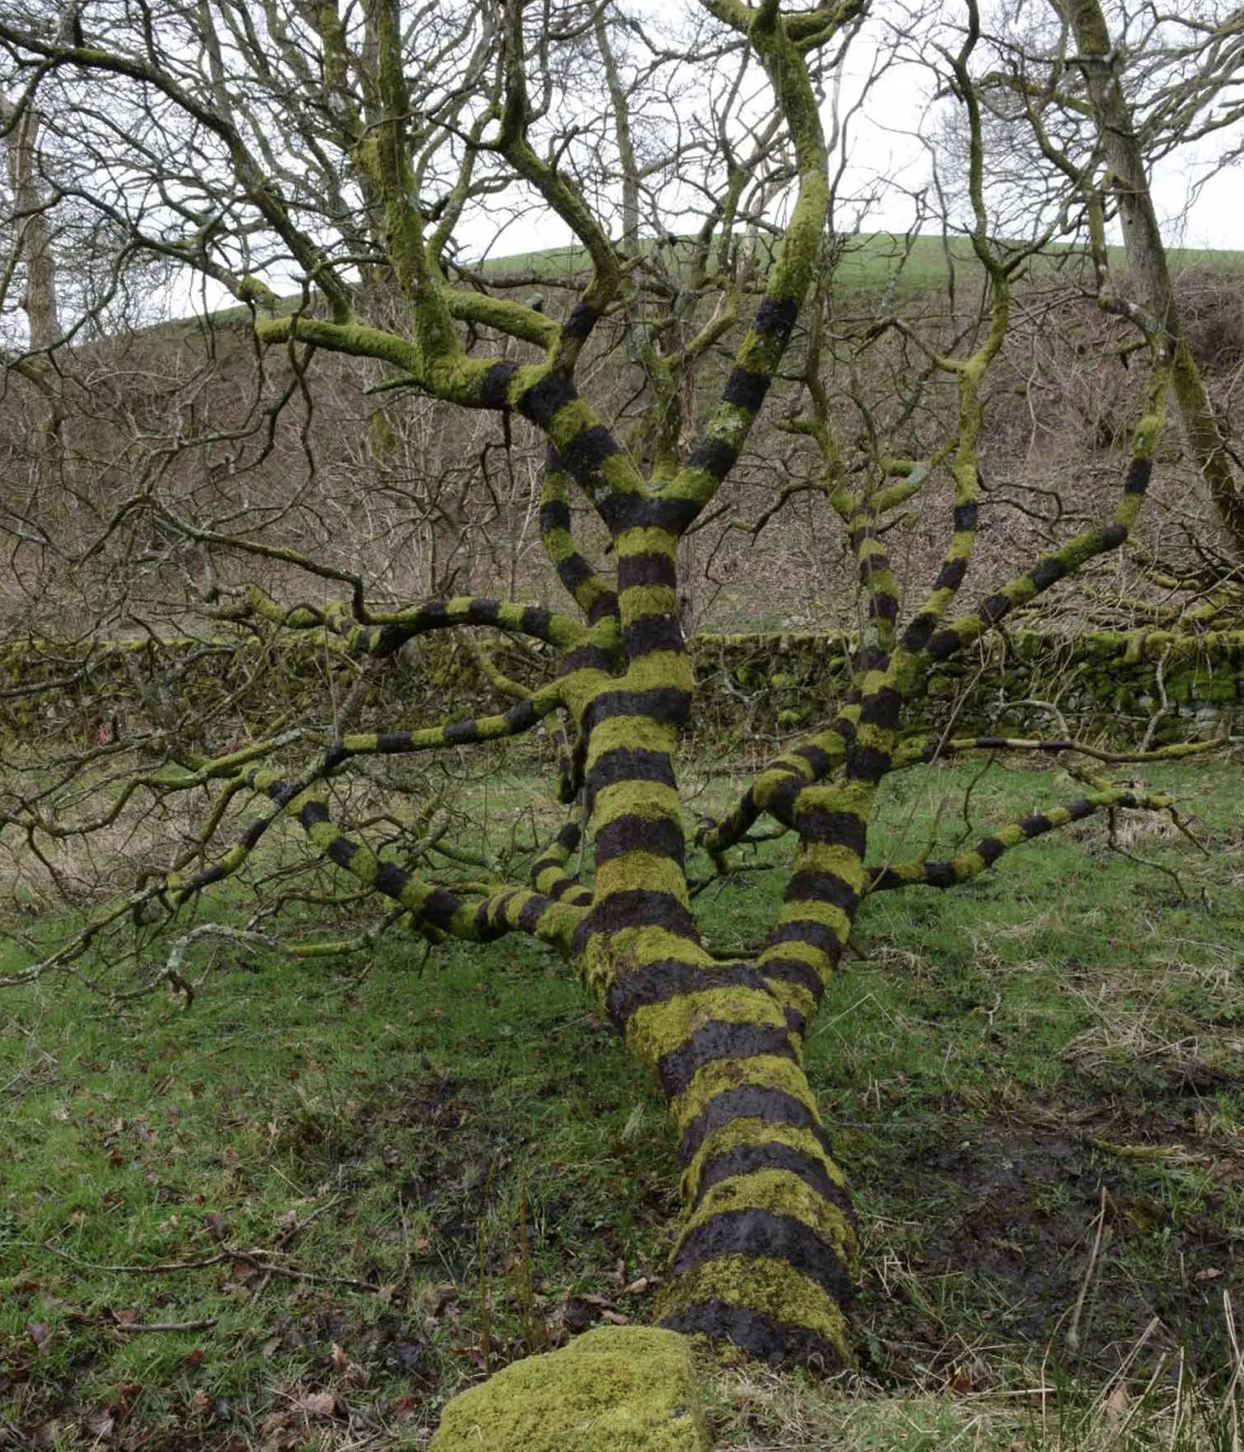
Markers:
(998, 1228)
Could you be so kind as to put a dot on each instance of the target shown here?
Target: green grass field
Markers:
(305, 1210)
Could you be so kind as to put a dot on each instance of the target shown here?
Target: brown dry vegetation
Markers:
(189, 422)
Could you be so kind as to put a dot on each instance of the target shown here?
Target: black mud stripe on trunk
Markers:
(662, 511)
(554, 513)
(439, 907)
(205, 879)
(341, 851)
(950, 576)
(965, 516)
(751, 1232)
(882, 708)
(749, 1101)
(944, 644)
(1138, 473)
(656, 982)
(588, 450)
(871, 658)
(822, 887)
(258, 826)
(720, 1040)
(867, 763)
(605, 604)
(519, 717)
(311, 814)
(580, 321)
(990, 849)
(795, 970)
(1048, 572)
(664, 704)
(715, 456)
(917, 634)
(531, 912)
(1113, 536)
(541, 402)
(587, 658)
(393, 741)
(805, 930)
(843, 829)
(782, 800)
(568, 838)
(574, 572)
(817, 758)
(885, 607)
(745, 389)
(638, 907)
(630, 763)
(651, 568)
(461, 731)
(640, 834)
(496, 384)
(391, 880)
(764, 1339)
(484, 611)
(535, 620)
(993, 608)
(745, 1159)
(652, 633)
(775, 315)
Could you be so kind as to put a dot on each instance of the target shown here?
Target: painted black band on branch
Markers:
(809, 932)
(760, 1232)
(746, 1159)
(745, 389)
(659, 981)
(554, 513)
(795, 971)
(629, 763)
(714, 456)
(496, 384)
(543, 400)
(825, 887)
(640, 834)
(841, 829)
(775, 315)
(587, 451)
(749, 1101)
(719, 1039)
(580, 321)
(763, 1338)
(666, 705)
(652, 633)
(639, 907)
(652, 568)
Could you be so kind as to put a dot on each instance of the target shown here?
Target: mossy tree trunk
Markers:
(1128, 180)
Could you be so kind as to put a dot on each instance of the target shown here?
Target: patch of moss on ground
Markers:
(619, 1389)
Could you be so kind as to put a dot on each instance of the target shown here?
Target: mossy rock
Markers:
(619, 1389)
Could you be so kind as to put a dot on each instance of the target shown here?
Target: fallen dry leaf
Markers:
(318, 1404)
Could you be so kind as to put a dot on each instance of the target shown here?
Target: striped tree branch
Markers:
(921, 637)
(480, 919)
(920, 750)
(967, 865)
